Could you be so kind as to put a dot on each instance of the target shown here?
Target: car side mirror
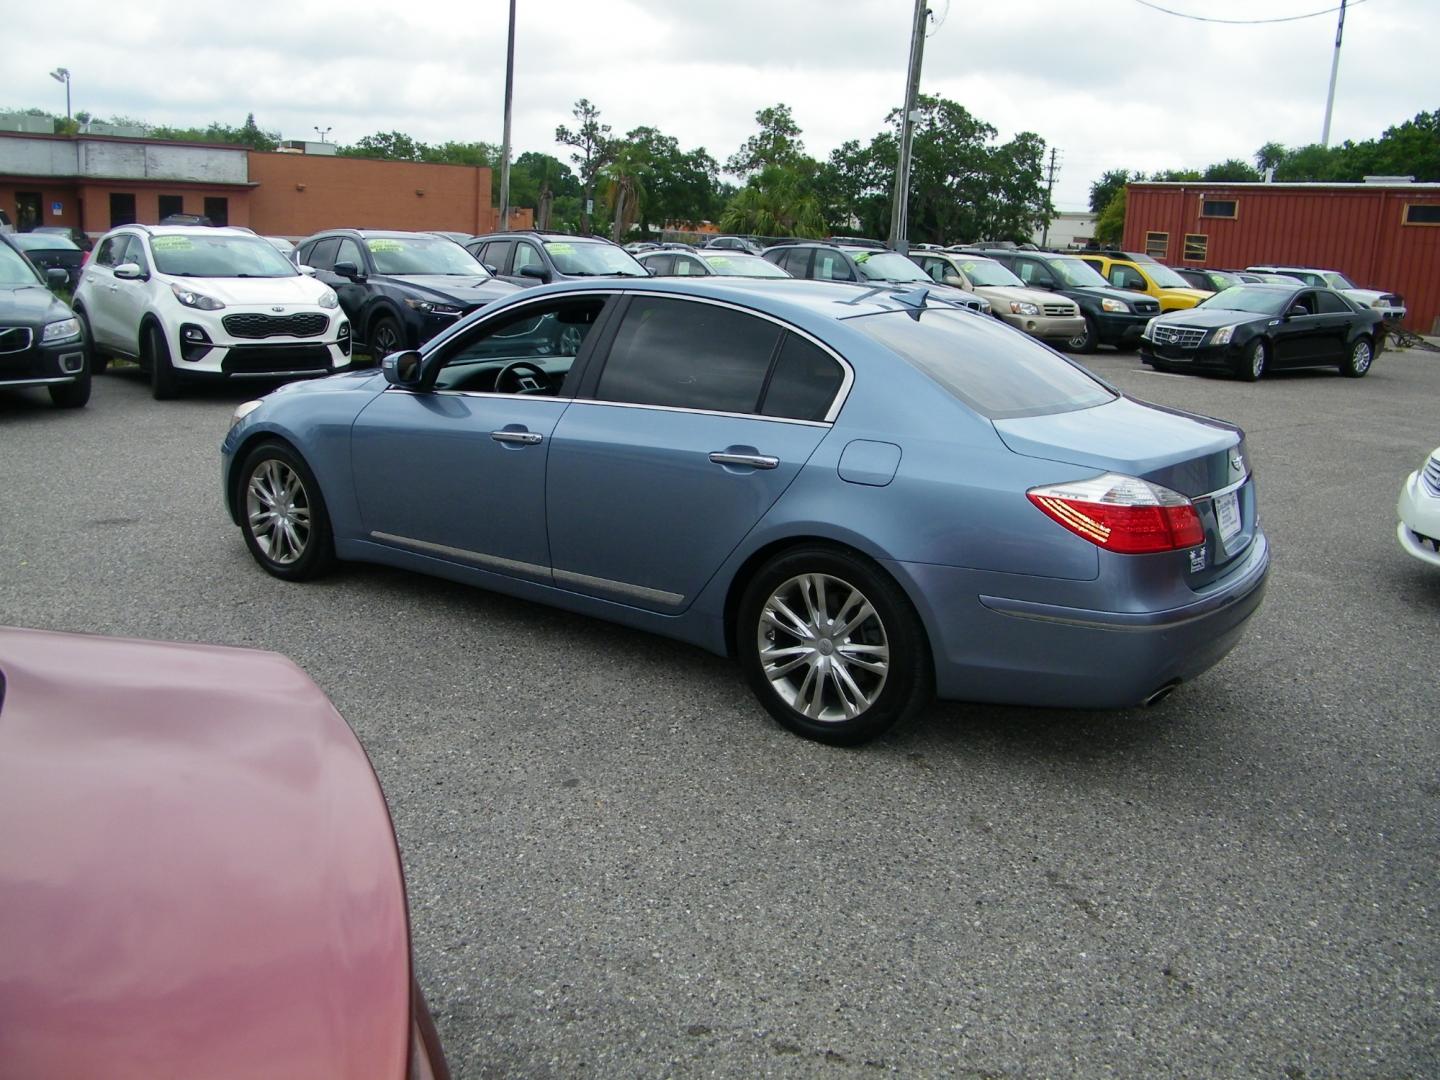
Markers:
(308, 271)
(533, 271)
(402, 369)
(1296, 312)
(348, 270)
(56, 276)
(956, 280)
(491, 269)
(130, 272)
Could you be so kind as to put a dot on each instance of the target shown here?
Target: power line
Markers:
(1246, 22)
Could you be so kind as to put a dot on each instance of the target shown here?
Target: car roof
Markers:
(544, 237)
(183, 230)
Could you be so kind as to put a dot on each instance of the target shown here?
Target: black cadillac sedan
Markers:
(1248, 330)
(42, 344)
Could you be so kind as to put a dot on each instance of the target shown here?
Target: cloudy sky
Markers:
(1109, 83)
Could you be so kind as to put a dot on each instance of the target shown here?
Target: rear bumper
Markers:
(1010, 651)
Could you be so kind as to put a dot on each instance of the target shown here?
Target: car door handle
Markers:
(754, 461)
(525, 438)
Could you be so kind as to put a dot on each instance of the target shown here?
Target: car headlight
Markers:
(191, 298)
(329, 300)
(1149, 326)
(429, 307)
(59, 331)
(1114, 305)
(1223, 335)
(244, 409)
(1021, 308)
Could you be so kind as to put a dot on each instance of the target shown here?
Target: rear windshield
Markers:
(999, 375)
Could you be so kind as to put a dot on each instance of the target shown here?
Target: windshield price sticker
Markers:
(560, 249)
(381, 244)
(720, 260)
(1227, 515)
(171, 243)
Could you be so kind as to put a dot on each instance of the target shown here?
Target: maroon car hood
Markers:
(198, 874)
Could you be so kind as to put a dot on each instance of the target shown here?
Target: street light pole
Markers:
(505, 142)
(322, 132)
(1334, 71)
(900, 206)
(63, 75)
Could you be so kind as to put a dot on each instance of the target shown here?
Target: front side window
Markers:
(685, 266)
(1329, 303)
(208, 255)
(321, 254)
(526, 255)
(1003, 379)
(350, 252)
(796, 262)
(529, 351)
(109, 250)
(689, 355)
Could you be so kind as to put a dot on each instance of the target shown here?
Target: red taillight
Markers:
(1123, 514)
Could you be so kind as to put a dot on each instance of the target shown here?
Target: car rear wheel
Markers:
(164, 383)
(1084, 343)
(282, 513)
(1255, 359)
(1359, 360)
(832, 647)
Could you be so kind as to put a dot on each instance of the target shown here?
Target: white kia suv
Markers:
(189, 302)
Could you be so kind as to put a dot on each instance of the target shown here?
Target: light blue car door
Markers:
(667, 460)
(457, 470)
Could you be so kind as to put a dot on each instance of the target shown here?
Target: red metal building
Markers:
(1383, 235)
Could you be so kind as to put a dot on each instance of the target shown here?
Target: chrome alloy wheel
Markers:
(278, 510)
(823, 647)
(1360, 357)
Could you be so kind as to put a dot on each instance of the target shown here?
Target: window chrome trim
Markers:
(700, 412)
(638, 592)
(492, 561)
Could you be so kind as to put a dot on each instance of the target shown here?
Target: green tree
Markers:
(1105, 189)
(1269, 156)
(622, 182)
(1232, 171)
(776, 143)
(386, 145)
(779, 201)
(592, 150)
(1110, 225)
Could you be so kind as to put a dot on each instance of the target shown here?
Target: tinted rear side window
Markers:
(997, 375)
(804, 383)
(688, 355)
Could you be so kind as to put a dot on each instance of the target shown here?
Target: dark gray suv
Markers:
(534, 258)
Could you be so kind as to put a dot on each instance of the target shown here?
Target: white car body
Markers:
(1390, 306)
(1419, 510)
(282, 326)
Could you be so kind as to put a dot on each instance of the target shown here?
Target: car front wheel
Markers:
(282, 513)
(385, 337)
(1252, 365)
(1359, 360)
(164, 383)
(1084, 342)
(832, 646)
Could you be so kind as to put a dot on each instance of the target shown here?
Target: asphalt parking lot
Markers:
(620, 867)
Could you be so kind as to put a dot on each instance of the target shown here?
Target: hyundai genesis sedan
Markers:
(866, 495)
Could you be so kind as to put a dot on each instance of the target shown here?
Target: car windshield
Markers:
(1220, 279)
(422, 255)
(889, 266)
(1247, 298)
(740, 265)
(208, 255)
(38, 241)
(14, 269)
(999, 375)
(1337, 281)
(1076, 273)
(587, 258)
(987, 272)
(1164, 277)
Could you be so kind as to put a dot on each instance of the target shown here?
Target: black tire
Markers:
(302, 545)
(99, 361)
(1253, 364)
(164, 382)
(72, 395)
(1086, 342)
(386, 337)
(829, 712)
(1362, 355)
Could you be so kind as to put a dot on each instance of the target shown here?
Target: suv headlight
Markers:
(60, 331)
(1223, 335)
(1114, 305)
(191, 298)
(329, 300)
(1019, 307)
(430, 307)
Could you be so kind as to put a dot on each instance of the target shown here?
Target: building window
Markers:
(1217, 208)
(1423, 214)
(122, 208)
(1196, 245)
(171, 204)
(217, 209)
(1157, 245)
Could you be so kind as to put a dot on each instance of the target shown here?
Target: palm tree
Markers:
(623, 188)
(775, 203)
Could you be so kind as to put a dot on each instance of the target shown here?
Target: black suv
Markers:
(863, 266)
(399, 289)
(41, 341)
(533, 258)
(1112, 316)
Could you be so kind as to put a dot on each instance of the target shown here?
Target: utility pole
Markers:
(900, 209)
(1334, 71)
(505, 143)
(1049, 202)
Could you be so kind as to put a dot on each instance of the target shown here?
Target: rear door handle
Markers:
(525, 438)
(754, 461)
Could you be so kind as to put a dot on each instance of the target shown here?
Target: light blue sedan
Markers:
(867, 496)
